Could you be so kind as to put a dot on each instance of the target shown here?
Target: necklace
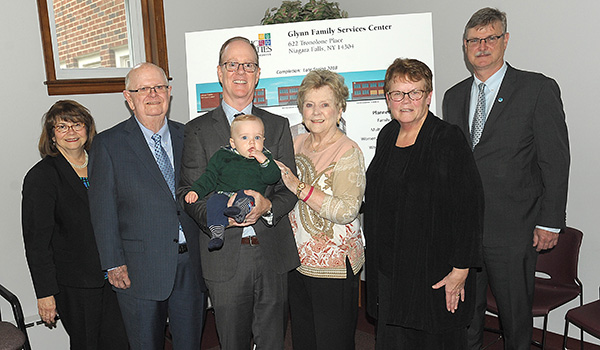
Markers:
(326, 143)
(82, 165)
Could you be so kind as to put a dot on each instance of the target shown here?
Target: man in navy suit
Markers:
(516, 125)
(146, 241)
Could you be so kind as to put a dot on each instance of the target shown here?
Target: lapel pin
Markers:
(500, 99)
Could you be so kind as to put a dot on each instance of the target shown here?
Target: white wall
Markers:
(555, 37)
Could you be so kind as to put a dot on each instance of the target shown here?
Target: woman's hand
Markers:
(310, 195)
(289, 179)
(454, 284)
(47, 310)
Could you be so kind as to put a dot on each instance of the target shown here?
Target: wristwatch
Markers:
(301, 186)
(268, 217)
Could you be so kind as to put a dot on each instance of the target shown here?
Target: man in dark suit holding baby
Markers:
(247, 278)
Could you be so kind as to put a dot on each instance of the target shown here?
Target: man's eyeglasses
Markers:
(398, 96)
(145, 90)
(64, 128)
(249, 67)
(490, 40)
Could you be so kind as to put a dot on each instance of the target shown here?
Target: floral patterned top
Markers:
(326, 238)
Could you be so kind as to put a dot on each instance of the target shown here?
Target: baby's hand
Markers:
(258, 155)
(191, 197)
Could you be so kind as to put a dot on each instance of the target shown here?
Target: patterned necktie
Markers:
(162, 159)
(479, 119)
(164, 163)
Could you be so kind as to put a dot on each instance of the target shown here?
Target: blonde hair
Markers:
(318, 78)
(245, 118)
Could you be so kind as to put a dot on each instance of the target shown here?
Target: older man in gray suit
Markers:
(143, 234)
(247, 278)
(516, 125)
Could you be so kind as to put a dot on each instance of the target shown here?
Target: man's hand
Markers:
(261, 206)
(454, 284)
(119, 277)
(47, 310)
(543, 239)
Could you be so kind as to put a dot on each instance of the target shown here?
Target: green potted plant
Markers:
(294, 11)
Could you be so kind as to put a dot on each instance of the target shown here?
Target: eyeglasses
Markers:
(249, 67)
(490, 40)
(398, 96)
(145, 90)
(64, 128)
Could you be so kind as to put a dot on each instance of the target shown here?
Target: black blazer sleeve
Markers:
(57, 230)
(38, 205)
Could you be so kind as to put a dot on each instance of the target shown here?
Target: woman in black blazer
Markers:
(59, 240)
(423, 221)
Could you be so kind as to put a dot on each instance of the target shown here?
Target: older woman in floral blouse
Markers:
(323, 291)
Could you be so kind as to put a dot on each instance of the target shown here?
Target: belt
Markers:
(252, 240)
(183, 248)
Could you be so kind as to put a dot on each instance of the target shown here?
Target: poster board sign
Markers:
(360, 49)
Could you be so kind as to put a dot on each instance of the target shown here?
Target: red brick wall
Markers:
(85, 27)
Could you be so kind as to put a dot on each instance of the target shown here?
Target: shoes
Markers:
(217, 234)
(240, 208)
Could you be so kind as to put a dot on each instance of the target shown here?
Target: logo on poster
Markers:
(263, 44)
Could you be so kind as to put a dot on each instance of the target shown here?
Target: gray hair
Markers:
(140, 65)
(484, 17)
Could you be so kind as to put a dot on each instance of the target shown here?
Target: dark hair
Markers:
(408, 69)
(318, 78)
(484, 17)
(69, 111)
(236, 38)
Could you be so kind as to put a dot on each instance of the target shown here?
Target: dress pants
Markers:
(145, 320)
(510, 273)
(324, 311)
(251, 305)
(91, 317)
(403, 338)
